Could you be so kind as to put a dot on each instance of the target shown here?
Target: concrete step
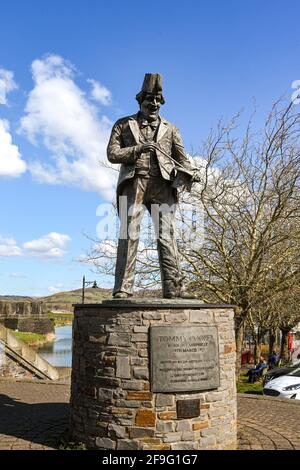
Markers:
(27, 354)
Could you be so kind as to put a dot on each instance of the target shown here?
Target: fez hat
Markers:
(152, 84)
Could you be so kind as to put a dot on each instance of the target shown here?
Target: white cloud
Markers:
(11, 163)
(55, 289)
(7, 84)
(9, 247)
(60, 116)
(51, 245)
(99, 92)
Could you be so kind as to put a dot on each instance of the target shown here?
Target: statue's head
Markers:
(150, 98)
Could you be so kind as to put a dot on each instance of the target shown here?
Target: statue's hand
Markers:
(196, 178)
(148, 147)
(144, 148)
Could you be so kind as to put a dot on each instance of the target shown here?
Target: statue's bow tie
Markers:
(152, 124)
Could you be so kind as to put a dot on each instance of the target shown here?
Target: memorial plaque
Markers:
(188, 408)
(184, 358)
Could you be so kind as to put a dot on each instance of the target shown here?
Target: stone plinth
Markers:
(116, 397)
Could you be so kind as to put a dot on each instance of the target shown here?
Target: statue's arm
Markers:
(116, 153)
(178, 152)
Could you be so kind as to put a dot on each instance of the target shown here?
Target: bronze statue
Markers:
(152, 157)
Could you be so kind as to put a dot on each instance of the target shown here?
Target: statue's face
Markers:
(150, 106)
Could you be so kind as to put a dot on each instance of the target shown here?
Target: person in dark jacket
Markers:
(273, 359)
(256, 371)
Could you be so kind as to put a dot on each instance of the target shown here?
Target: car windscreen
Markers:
(295, 373)
(294, 366)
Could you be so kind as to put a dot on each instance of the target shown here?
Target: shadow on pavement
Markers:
(40, 423)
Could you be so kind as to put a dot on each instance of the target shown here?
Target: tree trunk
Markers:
(257, 350)
(259, 340)
(272, 340)
(239, 338)
(284, 351)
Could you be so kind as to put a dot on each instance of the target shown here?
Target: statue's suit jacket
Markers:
(125, 136)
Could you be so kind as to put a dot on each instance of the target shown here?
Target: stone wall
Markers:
(26, 316)
(112, 404)
(39, 325)
(26, 308)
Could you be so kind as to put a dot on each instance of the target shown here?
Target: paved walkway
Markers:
(34, 415)
(267, 423)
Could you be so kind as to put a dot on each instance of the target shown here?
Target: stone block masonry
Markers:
(26, 316)
(113, 405)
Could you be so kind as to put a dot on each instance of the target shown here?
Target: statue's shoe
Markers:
(187, 295)
(173, 291)
(181, 295)
(121, 295)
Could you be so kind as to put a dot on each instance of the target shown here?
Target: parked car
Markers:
(278, 371)
(285, 386)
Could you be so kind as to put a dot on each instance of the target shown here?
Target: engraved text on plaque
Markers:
(184, 358)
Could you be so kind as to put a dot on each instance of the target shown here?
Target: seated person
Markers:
(273, 359)
(257, 370)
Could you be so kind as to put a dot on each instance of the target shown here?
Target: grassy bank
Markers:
(61, 319)
(32, 339)
(244, 387)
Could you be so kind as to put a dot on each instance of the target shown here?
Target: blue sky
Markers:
(69, 69)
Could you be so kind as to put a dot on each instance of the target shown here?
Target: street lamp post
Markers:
(87, 283)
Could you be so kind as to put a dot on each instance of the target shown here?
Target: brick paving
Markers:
(267, 423)
(34, 415)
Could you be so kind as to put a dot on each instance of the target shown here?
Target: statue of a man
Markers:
(151, 152)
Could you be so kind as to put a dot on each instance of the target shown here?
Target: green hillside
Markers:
(63, 301)
(92, 296)
(17, 298)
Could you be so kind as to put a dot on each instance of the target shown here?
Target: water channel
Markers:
(59, 352)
